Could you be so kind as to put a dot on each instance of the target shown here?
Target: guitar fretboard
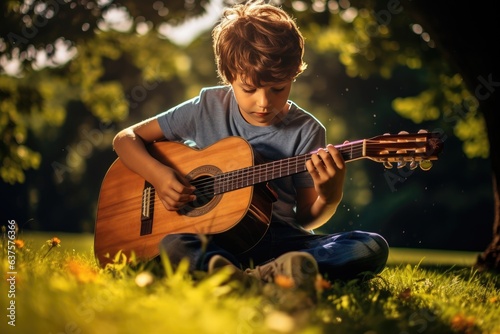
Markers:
(252, 175)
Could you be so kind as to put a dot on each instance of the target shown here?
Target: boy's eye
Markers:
(250, 90)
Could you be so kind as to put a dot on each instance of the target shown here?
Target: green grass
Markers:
(61, 290)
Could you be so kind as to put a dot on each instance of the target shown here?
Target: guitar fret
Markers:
(236, 180)
(240, 180)
(220, 183)
(245, 177)
(227, 179)
(250, 171)
(223, 182)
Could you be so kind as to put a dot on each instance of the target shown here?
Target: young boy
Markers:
(259, 54)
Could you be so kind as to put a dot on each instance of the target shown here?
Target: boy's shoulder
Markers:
(215, 94)
(303, 116)
(211, 90)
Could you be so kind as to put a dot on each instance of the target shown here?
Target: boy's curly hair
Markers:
(259, 42)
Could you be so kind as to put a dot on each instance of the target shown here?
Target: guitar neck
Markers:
(252, 175)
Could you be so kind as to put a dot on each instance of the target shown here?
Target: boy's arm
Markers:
(316, 205)
(130, 145)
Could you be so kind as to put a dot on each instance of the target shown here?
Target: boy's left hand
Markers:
(327, 168)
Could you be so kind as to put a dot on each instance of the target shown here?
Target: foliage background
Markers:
(58, 118)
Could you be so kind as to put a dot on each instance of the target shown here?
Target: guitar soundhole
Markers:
(204, 191)
(202, 178)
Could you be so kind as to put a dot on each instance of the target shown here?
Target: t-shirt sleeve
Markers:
(176, 123)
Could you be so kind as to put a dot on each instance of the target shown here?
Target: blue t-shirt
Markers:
(214, 115)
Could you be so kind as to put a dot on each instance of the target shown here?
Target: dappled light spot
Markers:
(349, 14)
(280, 322)
(300, 6)
(144, 279)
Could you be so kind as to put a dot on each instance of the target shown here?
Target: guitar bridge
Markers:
(147, 208)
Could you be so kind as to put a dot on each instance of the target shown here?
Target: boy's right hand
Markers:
(173, 189)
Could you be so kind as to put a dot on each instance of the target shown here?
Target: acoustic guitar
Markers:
(234, 202)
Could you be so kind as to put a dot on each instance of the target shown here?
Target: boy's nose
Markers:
(263, 100)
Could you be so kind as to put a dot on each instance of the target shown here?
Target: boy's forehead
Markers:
(247, 81)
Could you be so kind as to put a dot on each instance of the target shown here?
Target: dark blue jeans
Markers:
(340, 256)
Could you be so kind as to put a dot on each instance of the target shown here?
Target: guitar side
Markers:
(122, 222)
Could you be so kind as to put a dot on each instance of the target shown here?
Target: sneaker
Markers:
(298, 267)
(218, 262)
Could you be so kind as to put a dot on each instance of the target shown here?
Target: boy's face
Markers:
(262, 106)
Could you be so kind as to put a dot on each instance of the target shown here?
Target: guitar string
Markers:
(241, 177)
(263, 170)
(205, 186)
(236, 179)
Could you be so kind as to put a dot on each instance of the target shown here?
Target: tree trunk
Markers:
(466, 34)
(490, 258)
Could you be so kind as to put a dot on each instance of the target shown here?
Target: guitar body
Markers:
(131, 218)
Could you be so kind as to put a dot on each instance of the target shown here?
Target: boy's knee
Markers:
(180, 241)
(380, 252)
(381, 243)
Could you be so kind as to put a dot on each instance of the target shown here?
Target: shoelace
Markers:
(265, 272)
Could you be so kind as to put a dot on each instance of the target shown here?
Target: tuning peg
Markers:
(413, 164)
(387, 164)
(401, 164)
(425, 165)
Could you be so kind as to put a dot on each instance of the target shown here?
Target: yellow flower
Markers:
(54, 242)
(82, 272)
(19, 243)
(463, 324)
(322, 284)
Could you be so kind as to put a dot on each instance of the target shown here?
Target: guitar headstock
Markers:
(412, 149)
